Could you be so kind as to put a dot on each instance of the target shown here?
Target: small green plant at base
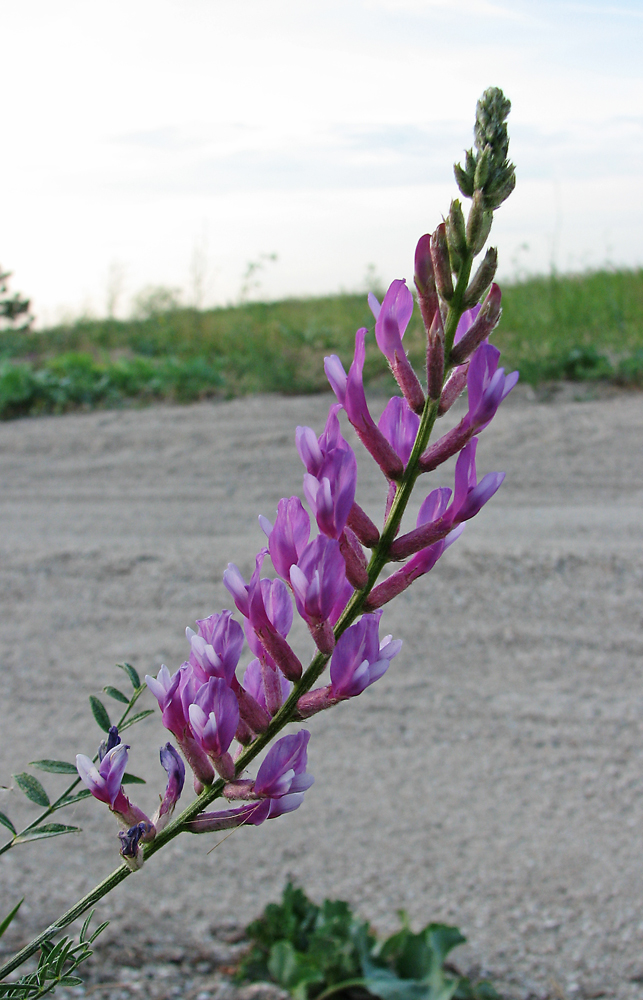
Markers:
(318, 951)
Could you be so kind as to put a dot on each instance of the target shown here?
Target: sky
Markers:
(184, 143)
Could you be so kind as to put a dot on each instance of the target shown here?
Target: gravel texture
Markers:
(492, 779)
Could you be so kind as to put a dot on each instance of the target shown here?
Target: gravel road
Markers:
(493, 778)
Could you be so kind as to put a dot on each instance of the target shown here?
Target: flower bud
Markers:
(482, 278)
(478, 223)
(441, 262)
(486, 320)
(435, 357)
(482, 168)
(456, 230)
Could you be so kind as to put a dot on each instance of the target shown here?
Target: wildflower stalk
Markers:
(488, 187)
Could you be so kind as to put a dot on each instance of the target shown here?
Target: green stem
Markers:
(308, 678)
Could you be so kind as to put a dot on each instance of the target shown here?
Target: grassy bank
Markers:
(579, 327)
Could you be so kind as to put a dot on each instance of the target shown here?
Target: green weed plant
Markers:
(315, 952)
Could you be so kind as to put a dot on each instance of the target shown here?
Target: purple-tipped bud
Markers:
(425, 281)
(289, 536)
(399, 425)
(453, 388)
(113, 739)
(441, 262)
(486, 321)
(359, 658)
(359, 522)
(349, 390)
(175, 768)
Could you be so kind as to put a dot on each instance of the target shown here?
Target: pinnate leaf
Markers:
(31, 788)
(99, 712)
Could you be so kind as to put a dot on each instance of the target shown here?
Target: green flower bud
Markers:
(478, 223)
(482, 169)
(482, 278)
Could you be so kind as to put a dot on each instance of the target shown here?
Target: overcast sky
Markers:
(172, 142)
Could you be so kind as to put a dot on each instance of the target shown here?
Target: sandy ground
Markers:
(493, 778)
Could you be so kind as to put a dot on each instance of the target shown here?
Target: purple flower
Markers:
(332, 491)
(318, 582)
(349, 390)
(359, 658)
(470, 495)
(175, 694)
(130, 841)
(249, 601)
(217, 646)
(391, 321)
(399, 425)
(289, 536)
(104, 783)
(421, 563)
(283, 770)
(487, 386)
(214, 717)
(313, 450)
(175, 768)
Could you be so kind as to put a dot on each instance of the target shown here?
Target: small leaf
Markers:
(116, 694)
(70, 981)
(54, 766)
(99, 930)
(131, 779)
(32, 788)
(45, 831)
(135, 680)
(137, 718)
(9, 917)
(84, 793)
(99, 712)
(5, 821)
(85, 927)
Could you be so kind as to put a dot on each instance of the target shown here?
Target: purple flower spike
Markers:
(318, 580)
(175, 768)
(359, 658)
(289, 536)
(283, 771)
(399, 425)
(349, 390)
(214, 717)
(391, 321)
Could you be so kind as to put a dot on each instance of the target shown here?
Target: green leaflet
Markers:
(137, 718)
(45, 831)
(31, 788)
(5, 821)
(116, 694)
(135, 680)
(100, 713)
(9, 917)
(54, 766)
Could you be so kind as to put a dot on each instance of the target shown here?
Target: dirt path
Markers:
(493, 779)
